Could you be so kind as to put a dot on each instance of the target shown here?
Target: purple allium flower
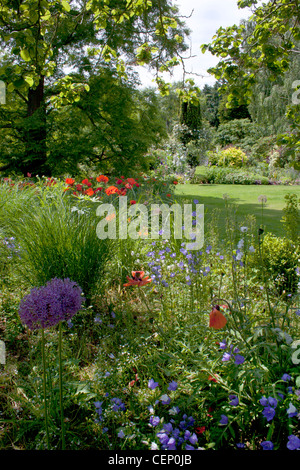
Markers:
(294, 442)
(224, 419)
(172, 386)
(234, 400)
(286, 377)
(152, 385)
(267, 445)
(46, 306)
(268, 413)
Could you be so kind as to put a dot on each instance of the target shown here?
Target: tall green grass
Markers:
(55, 239)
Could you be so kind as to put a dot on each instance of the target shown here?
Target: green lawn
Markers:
(246, 198)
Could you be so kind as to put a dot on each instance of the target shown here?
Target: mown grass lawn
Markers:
(245, 197)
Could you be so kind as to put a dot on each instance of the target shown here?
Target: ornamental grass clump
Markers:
(45, 307)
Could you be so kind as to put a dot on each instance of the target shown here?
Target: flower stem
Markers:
(45, 389)
(63, 444)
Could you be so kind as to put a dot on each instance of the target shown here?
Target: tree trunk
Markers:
(35, 132)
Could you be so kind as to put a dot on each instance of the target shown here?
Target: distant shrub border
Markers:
(220, 175)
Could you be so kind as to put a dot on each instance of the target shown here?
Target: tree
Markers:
(191, 121)
(212, 102)
(53, 48)
(269, 43)
(111, 128)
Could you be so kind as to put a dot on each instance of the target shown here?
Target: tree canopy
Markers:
(266, 44)
(54, 52)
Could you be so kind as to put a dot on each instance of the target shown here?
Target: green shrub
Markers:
(222, 175)
(230, 157)
(238, 132)
(233, 157)
(280, 259)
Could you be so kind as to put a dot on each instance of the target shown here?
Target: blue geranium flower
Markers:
(267, 445)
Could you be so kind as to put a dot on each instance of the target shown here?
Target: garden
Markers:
(121, 335)
(140, 344)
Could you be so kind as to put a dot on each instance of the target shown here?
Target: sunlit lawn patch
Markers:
(245, 198)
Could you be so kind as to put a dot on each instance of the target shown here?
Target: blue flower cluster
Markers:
(173, 437)
(293, 443)
(189, 262)
(269, 405)
(116, 405)
(177, 433)
(269, 411)
(238, 358)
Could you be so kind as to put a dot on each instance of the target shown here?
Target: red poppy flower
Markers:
(122, 191)
(217, 319)
(79, 187)
(168, 195)
(131, 384)
(175, 182)
(200, 430)
(137, 279)
(86, 182)
(89, 192)
(70, 181)
(131, 181)
(119, 182)
(132, 202)
(112, 190)
(102, 178)
(213, 379)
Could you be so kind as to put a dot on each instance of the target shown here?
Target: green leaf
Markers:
(66, 5)
(25, 55)
(10, 87)
(28, 79)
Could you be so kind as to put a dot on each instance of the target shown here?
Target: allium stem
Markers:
(63, 444)
(45, 388)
